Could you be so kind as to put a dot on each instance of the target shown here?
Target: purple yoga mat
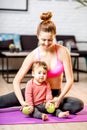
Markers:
(15, 116)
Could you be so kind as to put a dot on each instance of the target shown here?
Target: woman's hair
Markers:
(46, 24)
(39, 64)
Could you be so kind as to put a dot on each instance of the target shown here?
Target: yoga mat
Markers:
(15, 116)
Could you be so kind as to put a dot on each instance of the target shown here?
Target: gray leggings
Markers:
(40, 109)
(71, 104)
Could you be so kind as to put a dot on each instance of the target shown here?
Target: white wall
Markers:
(69, 17)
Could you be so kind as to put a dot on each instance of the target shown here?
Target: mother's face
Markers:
(46, 39)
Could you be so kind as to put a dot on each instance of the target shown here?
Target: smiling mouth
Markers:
(47, 45)
(41, 78)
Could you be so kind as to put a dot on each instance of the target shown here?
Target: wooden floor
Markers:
(78, 90)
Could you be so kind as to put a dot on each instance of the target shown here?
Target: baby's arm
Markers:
(28, 96)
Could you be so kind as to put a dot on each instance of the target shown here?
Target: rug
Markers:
(10, 116)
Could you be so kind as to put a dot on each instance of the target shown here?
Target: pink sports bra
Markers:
(57, 71)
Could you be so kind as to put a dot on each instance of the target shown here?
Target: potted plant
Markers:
(83, 2)
(11, 47)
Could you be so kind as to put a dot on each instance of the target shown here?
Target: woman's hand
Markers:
(23, 103)
(56, 101)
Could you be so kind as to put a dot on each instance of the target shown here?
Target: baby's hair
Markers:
(46, 24)
(39, 64)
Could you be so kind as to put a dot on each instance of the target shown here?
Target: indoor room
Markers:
(62, 46)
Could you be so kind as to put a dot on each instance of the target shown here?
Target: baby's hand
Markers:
(50, 107)
(31, 108)
(27, 110)
(24, 104)
(47, 104)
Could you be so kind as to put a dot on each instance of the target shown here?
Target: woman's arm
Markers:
(20, 75)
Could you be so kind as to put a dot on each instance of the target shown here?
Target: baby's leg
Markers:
(44, 117)
(38, 114)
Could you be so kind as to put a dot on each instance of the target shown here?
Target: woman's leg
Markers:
(41, 108)
(9, 100)
(71, 104)
(61, 114)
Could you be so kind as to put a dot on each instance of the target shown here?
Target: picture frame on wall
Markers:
(14, 5)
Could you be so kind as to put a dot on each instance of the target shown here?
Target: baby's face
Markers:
(40, 74)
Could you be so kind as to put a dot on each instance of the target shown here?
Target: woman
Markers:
(58, 60)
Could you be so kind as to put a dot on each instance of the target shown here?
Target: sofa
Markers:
(22, 42)
(30, 42)
(64, 39)
(73, 43)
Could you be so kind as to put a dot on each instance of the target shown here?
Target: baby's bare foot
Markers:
(44, 117)
(63, 114)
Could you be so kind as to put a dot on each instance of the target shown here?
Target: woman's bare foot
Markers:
(63, 114)
(44, 117)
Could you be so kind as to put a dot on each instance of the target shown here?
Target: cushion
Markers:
(15, 37)
(68, 39)
(4, 45)
(29, 42)
(72, 44)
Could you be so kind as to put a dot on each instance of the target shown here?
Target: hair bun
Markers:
(46, 16)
